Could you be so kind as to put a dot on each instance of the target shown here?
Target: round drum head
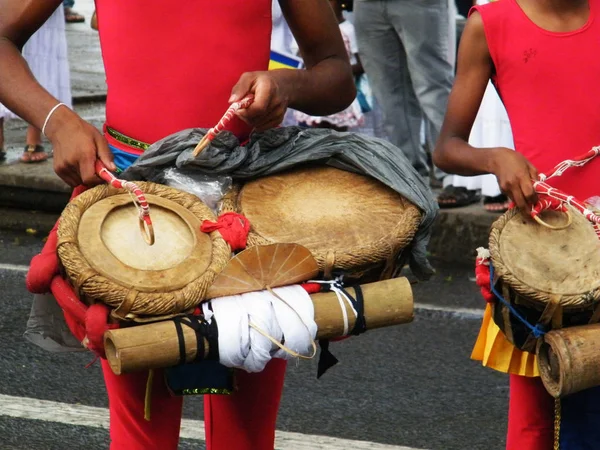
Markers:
(111, 241)
(557, 262)
(324, 209)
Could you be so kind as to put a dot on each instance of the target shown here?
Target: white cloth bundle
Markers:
(241, 319)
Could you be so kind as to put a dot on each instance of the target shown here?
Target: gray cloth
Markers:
(47, 328)
(405, 49)
(283, 148)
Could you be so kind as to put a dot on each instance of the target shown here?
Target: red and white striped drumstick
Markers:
(223, 123)
(139, 199)
(581, 160)
(555, 199)
(552, 198)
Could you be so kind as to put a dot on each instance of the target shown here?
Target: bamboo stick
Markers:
(568, 359)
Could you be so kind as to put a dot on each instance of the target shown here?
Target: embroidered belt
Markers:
(126, 139)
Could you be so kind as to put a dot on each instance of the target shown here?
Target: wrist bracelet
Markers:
(50, 115)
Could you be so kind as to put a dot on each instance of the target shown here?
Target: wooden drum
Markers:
(107, 259)
(351, 223)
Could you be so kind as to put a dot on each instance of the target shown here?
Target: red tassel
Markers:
(44, 266)
(233, 227)
(482, 278)
(96, 324)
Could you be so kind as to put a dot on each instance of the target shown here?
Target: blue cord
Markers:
(537, 330)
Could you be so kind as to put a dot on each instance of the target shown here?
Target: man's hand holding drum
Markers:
(77, 145)
(515, 175)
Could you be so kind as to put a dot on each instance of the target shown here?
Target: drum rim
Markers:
(128, 302)
(354, 259)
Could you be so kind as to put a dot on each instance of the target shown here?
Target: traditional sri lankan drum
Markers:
(351, 223)
(188, 339)
(546, 277)
(550, 277)
(107, 259)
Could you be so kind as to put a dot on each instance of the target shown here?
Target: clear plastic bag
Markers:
(594, 203)
(209, 189)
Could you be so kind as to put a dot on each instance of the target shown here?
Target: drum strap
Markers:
(329, 263)
(125, 307)
(548, 316)
(203, 330)
(538, 329)
(326, 359)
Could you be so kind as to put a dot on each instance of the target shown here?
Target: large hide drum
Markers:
(351, 223)
(551, 277)
(107, 259)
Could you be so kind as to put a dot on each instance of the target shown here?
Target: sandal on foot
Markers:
(33, 154)
(498, 204)
(73, 16)
(455, 197)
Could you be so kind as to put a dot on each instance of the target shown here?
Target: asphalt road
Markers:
(411, 385)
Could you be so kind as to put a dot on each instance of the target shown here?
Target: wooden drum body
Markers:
(349, 222)
(106, 258)
(551, 277)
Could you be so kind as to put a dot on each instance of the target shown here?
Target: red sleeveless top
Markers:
(172, 65)
(550, 85)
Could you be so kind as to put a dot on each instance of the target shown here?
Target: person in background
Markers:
(70, 15)
(490, 129)
(47, 58)
(283, 42)
(351, 117)
(406, 48)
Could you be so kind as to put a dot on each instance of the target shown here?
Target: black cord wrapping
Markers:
(202, 329)
(326, 359)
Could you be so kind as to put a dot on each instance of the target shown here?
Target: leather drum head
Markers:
(556, 262)
(111, 241)
(322, 208)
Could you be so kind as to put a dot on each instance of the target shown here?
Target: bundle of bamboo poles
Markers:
(156, 345)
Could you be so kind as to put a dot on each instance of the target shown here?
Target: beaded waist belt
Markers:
(131, 142)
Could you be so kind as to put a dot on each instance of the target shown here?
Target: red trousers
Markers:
(530, 415)
(244, 420)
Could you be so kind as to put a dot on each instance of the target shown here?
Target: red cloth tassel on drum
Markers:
(482, 274)
(311, 288)
(44, 266)
(88, 324)
(96, 324)
(73, 309)
(233, 227)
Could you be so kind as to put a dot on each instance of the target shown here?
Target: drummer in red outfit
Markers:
(172, 68)
(538, 55)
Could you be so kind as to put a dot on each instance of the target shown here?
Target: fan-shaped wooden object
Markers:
(264, 266)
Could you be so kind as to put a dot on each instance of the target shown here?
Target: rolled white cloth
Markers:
(244, 322)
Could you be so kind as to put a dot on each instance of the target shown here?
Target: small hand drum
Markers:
(551, 276)
(108, 259)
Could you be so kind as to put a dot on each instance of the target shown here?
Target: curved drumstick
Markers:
(213, 132)
(139, 199)
(552, 198)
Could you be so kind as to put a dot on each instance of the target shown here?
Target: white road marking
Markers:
(14, 267)
(464, 313)
(88, 416)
